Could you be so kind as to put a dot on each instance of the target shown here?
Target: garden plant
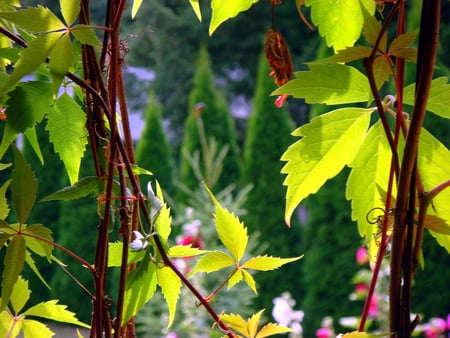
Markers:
(60, 68)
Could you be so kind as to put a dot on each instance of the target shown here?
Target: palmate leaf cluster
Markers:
(152, 272)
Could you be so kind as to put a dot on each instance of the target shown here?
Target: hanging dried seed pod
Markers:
(280, 61)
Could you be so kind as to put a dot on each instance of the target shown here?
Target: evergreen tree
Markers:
(268, 136)
(205, 101)
(153, 151)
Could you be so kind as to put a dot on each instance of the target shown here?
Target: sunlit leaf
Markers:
(235, 278)
(32, 265)
(70, 10)
(196, 7)
(356, 334)
(348, 54)
(434, 169)
(115, 255)
(34, 19)
(222, 10)
(61, 59)
(248, 278)
(213, 261)
(135, 8)
(370, 169)
(163, 223)
(184, 251)
(272, 329)
(31, 58)
(12, 267)
(372, 28)
(141, 285)
(66, 125)
(439, 99)
(20, 295)
(23, 186)
(27, 105)
(329, 84)
(328, 142)
(31, 327)
(236, 322)
(403, 41)
(31, 136)
(267, 263)
(84, 187)
(437, 225)
(170, 285)
(9, 325)
(340, 22)
(54, 311)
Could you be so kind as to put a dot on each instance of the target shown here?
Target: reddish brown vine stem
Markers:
(400, 261)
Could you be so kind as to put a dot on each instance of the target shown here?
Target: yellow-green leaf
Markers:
(235, 278)
(70, 10)
(356, 334)
(34, 329)
(135, 8)
(370, 170)
(213, 261)
(196, 7)
(4, 206)
(236, 323)
(20, 295)
(34, 19)
(170, 285)
(54, 311)
(272, 329)
(340, 22)
(61, 59)
(248, 278)
(267, 263)
(253, 322)
(329, 142)
(36, 245)
(184, 251)
(66, 125)
(222, 10)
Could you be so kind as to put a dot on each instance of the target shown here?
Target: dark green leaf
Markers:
(31, 136)
(12, 267)
(23, 187)
(84, 187)
(61, 59)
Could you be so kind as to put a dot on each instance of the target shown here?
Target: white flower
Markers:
(282, 311)
(140, 242)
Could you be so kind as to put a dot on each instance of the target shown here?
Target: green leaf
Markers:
(357, 334)
(370, 170)
(163, 223)
(267, 263)
(36, 245)
(85, 34)
(32, 265)
(140, 171)
(222, 10)
(82, 188)
(141, 285)
(34, 19)
(248, 278)
(439, 99)
(27, 105)
(403, 41)
(434, 168)
(213, 261)
(136, 5)
(61, 59)
(4, 206)
(235, 278)
(23, 186)
(66, 125)
(372, 28)
(347, 55)
(272, 329)
(196, 7)
(236, 323)
(54, 311)
(115, 255)
(170, 285)
(70, 10)
(329, 142)
(31, 58)
(31, 136)
(31, 327)
(12, 267)
(184, 251)
(340, 22)
(20, 295)
(329, 84)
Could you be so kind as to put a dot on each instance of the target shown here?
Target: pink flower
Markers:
(373, 307)
(361, 256)
(324, 332)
